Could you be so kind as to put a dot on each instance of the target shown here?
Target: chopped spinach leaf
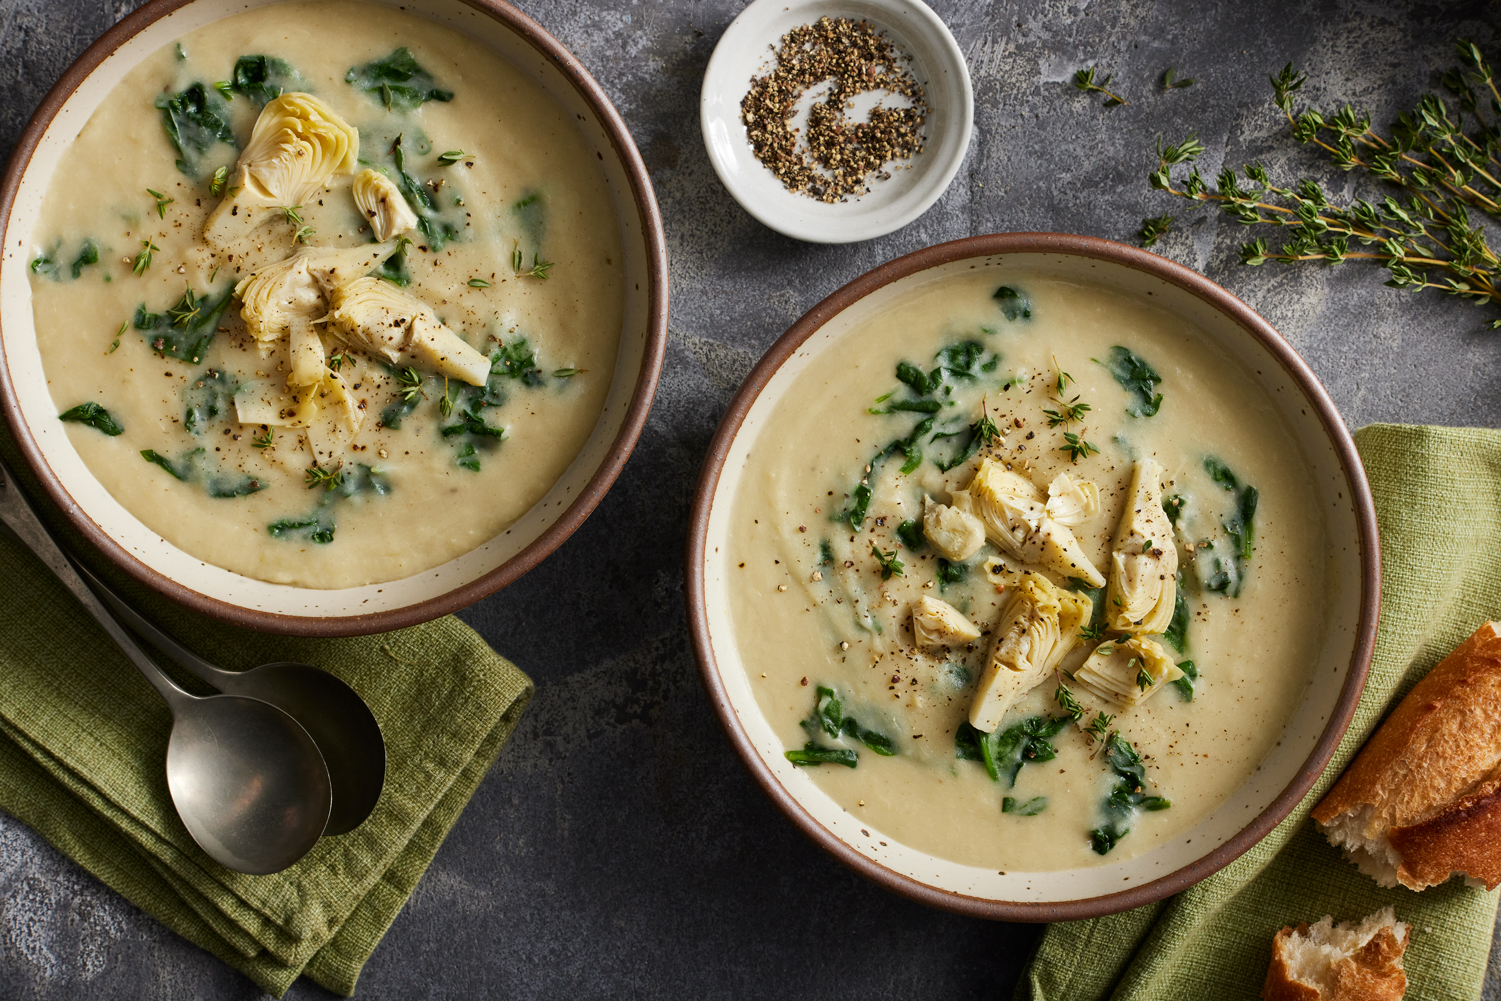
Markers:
(518, 361)
(812, 754)
(206, 399)
(981, 432)
(830, 718)
(180, 469)
(1227, 576)
(187, 328)
(1127, 796)
(1005, 751)
(45, 264)
(1030, 808)
(910, 532)
(232, 486)
(317, 527)
(264, 78)
(94, 416)
(960, 359)
(89, 254)
(1173, 507)
(854, 514)
(949, 572)
(1185, 684)
(467, 457)
(1177, 629)
(530, 211)
(825, 554)
(437, 231)
(471, 423)
(398, 82)
(1137, 378)
(195, 119)
(1014, 305)
(922, 384)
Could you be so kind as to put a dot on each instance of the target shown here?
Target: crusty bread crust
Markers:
(1371, 973)
(1429, 780)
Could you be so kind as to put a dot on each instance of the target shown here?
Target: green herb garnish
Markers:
(1076, 448)
(317, 476)
(478, 283)
(95, 417)
(1030, 808)
(452, 157)
(185, 329)
(539, 268)
(1014, 305)
(1171, 81)
(1067, 702)
(162, 201)
(1137, 378)
(1185, 684)
(1085, 80)
(1068, 413)
(195, 121)
(398, 82)
(143, 259)
(220, 180)
(1099, 727)
(266, 440)
(890, 565)
(114, 345)
(409, 384)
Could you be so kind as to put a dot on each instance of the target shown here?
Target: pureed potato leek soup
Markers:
(328, 293)
(1024, 572)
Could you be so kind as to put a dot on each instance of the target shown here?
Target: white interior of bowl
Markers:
(744, 52)
(18, 336)
(1312, 447)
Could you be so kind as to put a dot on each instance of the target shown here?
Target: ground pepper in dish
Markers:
(841, 155)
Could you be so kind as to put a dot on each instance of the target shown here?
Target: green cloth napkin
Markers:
(1438, 501)
(83, 741)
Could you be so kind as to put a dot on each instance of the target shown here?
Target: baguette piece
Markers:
(1422, 800)
(1339, 962)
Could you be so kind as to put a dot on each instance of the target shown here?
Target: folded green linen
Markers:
(83, 742)
(1438, 502)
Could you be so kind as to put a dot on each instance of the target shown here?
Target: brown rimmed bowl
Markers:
(27, 408)
(1335, 679)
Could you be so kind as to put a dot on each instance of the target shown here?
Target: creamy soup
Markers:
(918, 549)
(497, 243)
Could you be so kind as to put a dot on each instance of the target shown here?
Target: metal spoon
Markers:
(337, 719)
(247, 780)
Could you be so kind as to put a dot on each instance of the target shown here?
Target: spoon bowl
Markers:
(334, 715)
(247, 781)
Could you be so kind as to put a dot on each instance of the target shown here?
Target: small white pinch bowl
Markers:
(745, 51)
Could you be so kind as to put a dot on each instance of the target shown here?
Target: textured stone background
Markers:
(618, 848)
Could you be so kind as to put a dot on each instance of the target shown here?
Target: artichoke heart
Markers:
(937, 623)
(1016, 519)
(378, 317)
(277, 297)
(1038, 626)
(298, 143)
(1144, 565)
(1072, 502)
(956, 534)
(1127, 671)
(383, 204)
(332, 417)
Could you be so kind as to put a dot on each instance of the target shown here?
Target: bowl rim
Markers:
(1095, 248)
(645, 202)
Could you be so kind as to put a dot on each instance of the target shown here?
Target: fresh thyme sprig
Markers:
(1099, 727)
(539, 268)
(143, 259)
(1067, 702)
(1426, 239)
(162, 201)
(409, 384)
(478, 283)
(114, 345)
(1076, 448)
(1084, 80)
(1171, 81)
(265, 440)
(452, 157)
(445, 405)
(186, 310)
(317, 476)
(1143, 676)
(1068, 413)
(337, 360)
(226, 89)
(1092, 632)
(890, 565)
(984, 430)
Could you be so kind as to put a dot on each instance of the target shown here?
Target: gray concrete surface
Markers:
(618, 849)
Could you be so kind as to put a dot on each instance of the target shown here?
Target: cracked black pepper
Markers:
(842, 156)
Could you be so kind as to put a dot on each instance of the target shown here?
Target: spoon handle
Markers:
(16, 513)
(152, 633)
